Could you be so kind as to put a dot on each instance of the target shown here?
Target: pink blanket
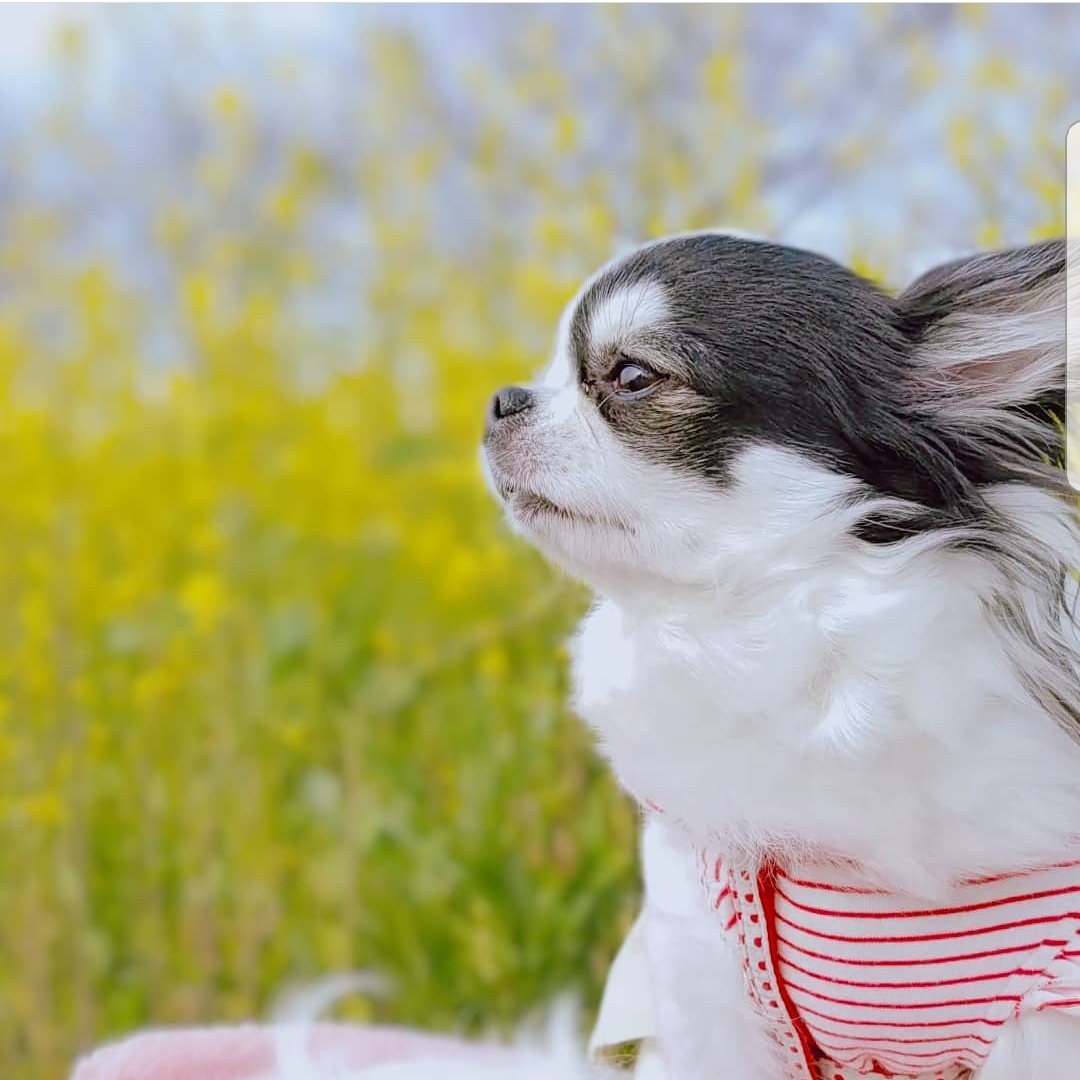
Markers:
(247, 1052)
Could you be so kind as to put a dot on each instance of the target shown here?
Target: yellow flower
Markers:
(45, 809)
(229, 103)
(493, 662)
(203, 598)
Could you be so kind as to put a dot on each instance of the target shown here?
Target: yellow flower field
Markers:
(279, 695)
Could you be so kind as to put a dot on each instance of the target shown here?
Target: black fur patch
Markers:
(766, 343)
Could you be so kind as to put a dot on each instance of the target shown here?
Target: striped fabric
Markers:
(888, 985)
(882, 986)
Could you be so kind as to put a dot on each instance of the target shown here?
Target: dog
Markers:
(834, 650)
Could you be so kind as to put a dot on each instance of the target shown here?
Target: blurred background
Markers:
(279, 695)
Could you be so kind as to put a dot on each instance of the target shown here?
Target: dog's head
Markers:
(713, 397)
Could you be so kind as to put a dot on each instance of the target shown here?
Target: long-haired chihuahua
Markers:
(834, 653)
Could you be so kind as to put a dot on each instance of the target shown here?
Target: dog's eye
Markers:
(632, 378)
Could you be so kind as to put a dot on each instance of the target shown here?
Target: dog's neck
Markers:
(852, 705)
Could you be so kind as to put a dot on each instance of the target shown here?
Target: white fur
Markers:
(697, 1029)
(629, 311)
(1010, 355)
(549, 1049)
(556, 1057)
(816, 676)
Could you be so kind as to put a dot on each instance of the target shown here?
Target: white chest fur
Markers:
(865, 711)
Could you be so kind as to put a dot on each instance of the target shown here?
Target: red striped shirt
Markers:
(886, 986)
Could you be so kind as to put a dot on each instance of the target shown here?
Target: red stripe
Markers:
(1055, 943)
(731, 922)
(893, 1039)
(1059, 1003)
(889, 1006)
(902, 1023)
(907, 1068)
(930, 912)
(951, 1054)
(825, 887)
(766, 884)
(910, 985)
(982, 931)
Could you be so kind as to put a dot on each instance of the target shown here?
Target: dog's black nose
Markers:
(510, 401)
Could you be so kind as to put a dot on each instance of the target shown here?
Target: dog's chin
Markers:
(530, 509)
(597, 544)
(599, 551)
(572, 537)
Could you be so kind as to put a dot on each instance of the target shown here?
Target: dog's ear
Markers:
(989, 332)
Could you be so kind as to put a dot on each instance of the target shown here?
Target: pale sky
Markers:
(25, 32)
